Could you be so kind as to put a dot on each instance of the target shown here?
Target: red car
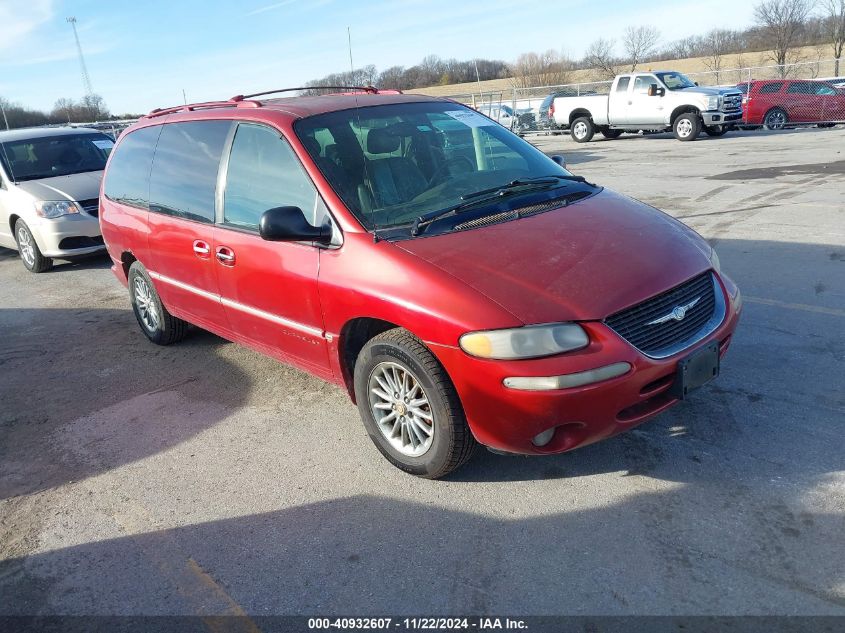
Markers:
(460, 285)
(778, 102)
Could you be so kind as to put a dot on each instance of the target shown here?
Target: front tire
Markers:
(409, 406)
(156, 322)
(715, 130)
(30, 254)
(687, 126)
(775, 119)
(582, 130)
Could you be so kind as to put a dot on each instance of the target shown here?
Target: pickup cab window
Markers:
(642, 83)
(622, 84)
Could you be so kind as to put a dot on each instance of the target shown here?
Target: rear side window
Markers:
(264, 173)
(184, 174)
(622, 86)
(770, 88)
(800, 89)
(127, 179)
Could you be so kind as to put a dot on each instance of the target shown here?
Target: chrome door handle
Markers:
(225, 255)
(201, 248)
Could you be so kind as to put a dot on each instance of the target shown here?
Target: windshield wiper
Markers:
(520, 185)
(522, 182)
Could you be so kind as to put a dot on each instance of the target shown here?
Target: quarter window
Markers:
(622, 85)
(184, 174)
(264, 173)
(127, 179)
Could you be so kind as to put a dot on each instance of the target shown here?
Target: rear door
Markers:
(183, 183)
(619, 101)
(803, 104)
(269, 289)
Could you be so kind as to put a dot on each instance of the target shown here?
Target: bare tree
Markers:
(599, 56)
(640, 43)
(781, 23)
(833, 18)
(715, 45)
(546, 69)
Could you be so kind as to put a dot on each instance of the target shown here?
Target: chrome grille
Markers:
(646, 326)
(731, 102)
(91, 207)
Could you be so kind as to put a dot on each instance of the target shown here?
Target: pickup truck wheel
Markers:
(687, 126)
(156, 322)
(582, 130)
(409, 406)
(611, 134)
(775, 119)
(715, 130)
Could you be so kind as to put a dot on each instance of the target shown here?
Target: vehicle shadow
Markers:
(668, 552)
(74, 380)
(83, 262)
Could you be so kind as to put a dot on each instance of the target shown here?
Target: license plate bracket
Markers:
(696, 370)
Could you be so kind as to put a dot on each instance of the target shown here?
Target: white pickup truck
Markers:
(650, 101)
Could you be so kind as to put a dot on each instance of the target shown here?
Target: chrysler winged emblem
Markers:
(678, 313)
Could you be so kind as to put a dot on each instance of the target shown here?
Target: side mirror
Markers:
(288, 224)
(560, 160)
(655, 91)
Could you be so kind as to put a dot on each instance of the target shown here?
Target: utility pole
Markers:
(86, 80)
(3, 109)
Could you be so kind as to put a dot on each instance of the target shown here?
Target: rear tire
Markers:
(30, 254)
(421, 427)
(582, 130)
(611, 134)
(715, 130)
(156, 322)
(775, 119)
(687, 126)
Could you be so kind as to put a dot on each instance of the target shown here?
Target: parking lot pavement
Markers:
(203, 478)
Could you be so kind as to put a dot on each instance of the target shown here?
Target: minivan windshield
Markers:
(394, 164)
(675, 81)
(48, 156)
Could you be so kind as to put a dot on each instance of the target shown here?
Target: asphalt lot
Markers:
(203, 478)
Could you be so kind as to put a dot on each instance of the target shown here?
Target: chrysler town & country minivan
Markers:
(462, 287)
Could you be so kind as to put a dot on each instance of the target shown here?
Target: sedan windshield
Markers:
(394, 164)
(675, 81)
(49, 156)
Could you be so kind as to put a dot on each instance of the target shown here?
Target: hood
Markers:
(710, 92)
(581, 262)
(84, 186)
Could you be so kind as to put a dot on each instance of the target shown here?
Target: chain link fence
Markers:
(774, 96)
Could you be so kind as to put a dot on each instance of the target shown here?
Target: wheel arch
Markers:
(354, 334)
(579, 112)
(683, 109)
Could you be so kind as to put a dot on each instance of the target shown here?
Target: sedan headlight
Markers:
(533, 341)
(714, 261)
(712, 103)
(55, 208)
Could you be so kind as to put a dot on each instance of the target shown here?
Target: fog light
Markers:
(541, 439)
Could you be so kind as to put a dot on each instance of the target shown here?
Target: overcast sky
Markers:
(142, 54)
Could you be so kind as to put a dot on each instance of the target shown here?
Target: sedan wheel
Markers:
(401, 409)
(775, 120)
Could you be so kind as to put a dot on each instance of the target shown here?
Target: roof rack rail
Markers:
(368, 89)
(206, 105)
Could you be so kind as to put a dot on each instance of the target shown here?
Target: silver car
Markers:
(49, 189)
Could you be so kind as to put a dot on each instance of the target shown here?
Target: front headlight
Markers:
(712, 103)
(55, 208)
(533, 341)
(714, 261)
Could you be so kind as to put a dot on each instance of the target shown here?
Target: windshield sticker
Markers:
(103, 143)
(470, 119)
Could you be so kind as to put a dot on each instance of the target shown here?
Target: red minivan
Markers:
(775, 103)
(463, 287)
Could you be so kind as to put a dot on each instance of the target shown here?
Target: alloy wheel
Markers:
(684, 128)
(26, 246)
(401, 409)
(145, 302)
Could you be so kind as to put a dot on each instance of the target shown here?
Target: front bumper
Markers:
(717, 117)
(68, 236)
(507, 419)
